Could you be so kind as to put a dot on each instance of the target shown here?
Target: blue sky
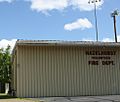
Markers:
(56, 20)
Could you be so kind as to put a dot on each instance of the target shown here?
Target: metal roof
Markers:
(65, 43)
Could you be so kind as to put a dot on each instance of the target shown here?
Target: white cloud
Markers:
(4, 43)
(118, 38)
(9, 1)
(108, 40)
(104, 39)
(48, 5)
(111, 40)
(83, 5)
(79, 24)
(88, 39)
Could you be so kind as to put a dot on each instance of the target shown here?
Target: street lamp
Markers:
(95, 15)
(114, 14)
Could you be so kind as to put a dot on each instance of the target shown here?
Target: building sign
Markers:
(101, 57)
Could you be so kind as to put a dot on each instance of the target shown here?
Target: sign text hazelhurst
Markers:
(100, 52)
(101, 57)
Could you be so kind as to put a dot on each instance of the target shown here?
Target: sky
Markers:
(56, 20)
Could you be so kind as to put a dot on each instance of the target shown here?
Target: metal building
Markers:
(65, 68)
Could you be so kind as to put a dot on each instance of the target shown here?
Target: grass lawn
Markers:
(5, 96)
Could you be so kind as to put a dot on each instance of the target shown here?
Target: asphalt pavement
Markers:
(113, 98)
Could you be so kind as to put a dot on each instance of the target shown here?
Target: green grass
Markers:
(5, 96)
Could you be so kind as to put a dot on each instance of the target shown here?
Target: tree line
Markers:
(5, 65)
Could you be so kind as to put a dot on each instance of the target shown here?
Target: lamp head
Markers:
(115, 13)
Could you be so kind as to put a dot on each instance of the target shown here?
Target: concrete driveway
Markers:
(113, 98)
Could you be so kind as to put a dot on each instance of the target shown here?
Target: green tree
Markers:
(5, 65)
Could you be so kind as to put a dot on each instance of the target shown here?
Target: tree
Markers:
(5, 65)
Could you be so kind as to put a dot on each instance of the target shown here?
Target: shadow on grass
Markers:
(4, 96)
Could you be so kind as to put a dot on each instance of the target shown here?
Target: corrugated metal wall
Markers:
(64, 71)
(14, 72)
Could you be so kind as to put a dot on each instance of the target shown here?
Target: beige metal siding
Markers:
(64, 71)
(14, 72)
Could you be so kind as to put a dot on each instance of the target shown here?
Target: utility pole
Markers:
(114, 14)
(95, 15)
